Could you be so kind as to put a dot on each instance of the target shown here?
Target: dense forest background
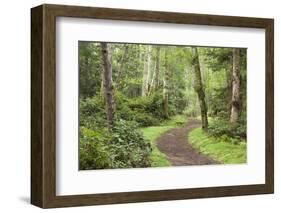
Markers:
(127, 88)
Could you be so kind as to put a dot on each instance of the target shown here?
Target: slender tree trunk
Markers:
(157, 68)
(229, 89)
(166, 86)
(152, 82)
(146, 71)
(121, 66)
(235, 101)
(144, 77)
(148, 77)
(198, 86)
(140, 70)
(107, 84)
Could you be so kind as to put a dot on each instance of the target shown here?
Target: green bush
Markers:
(137, 110)
(90, 106)
(130, 147)
(92, 113)
(219, 106)
(222, 128)
(123, 147)
(94, 150)
(146, 111)
(152, 104)
(191, 111)
(145, 119)
(178, 102)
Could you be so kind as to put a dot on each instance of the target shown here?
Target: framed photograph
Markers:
(136, 106)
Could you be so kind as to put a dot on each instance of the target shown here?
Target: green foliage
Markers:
(146, 110)
(222, 128)
(220, 104)
(217, 76)
(122, 110)
(124, 147)
(92, 113)
(145, 119)
(150, 104)
(217, 58)
(191, 111)
(174, 121)
(90, 69)
(219, 148)
(131, 149)
(95, 151)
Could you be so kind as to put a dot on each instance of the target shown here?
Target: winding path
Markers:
(174, 144)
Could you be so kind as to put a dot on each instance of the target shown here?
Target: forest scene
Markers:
(144, 105)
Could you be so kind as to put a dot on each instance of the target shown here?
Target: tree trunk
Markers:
(152, 82)
(148, 77)
(166, 86)
(198, 86)
(157, 68)
(107, 84)
(145, 72)
(121, 65)
(235, 101)
(229, 89)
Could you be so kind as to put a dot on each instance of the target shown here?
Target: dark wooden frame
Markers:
(43, 105)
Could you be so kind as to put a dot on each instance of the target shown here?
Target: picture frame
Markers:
(43, 105)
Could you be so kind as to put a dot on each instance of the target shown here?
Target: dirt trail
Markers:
(174, 144)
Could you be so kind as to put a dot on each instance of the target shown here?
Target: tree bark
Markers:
(145, 72)
(198, 86)
(107, 84)
(157, 68)
(121, 65)
(148, 77)
(154, 83)
(166, 86)
(235, 101)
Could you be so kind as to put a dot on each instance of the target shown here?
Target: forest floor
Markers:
(174, 144)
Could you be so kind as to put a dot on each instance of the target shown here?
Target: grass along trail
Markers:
(220, 150)
(151, 133)
(170, 145)
(174, 144)
(178, 142)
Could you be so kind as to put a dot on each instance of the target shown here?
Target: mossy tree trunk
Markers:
(235, 101)
(107, 84)
(166, 80)
(157, 68)
(198, 86)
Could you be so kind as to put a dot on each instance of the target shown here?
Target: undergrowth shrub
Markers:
(94, 150)
(146, 111)
(92, 113)
(131, 149)
(152, 104)
(123, 147)
(145, 119)
(191, 111)
(223, 128)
